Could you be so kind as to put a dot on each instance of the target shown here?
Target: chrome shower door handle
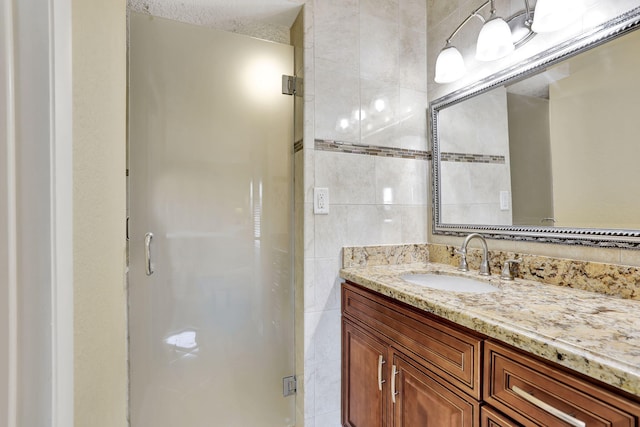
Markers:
(147, 253)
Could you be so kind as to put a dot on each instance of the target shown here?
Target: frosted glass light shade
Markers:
(553, 15)
(449, 65)
(494, 40)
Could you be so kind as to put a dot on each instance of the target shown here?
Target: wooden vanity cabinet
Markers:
(402, 368)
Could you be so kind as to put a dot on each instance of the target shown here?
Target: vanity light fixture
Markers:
(499, 37)
(494, 40)
(449, 65)
(553, 15)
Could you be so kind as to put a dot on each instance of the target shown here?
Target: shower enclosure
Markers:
(210, 235)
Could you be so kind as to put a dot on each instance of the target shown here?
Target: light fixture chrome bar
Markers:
(476, 14)
(527, 10)
(498, 38)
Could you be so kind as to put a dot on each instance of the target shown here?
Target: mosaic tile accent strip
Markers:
(609, 279)
(297, 146)
(363, 256)
(472, 158)
(371, 150)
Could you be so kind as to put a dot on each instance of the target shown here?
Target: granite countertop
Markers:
(588, 332)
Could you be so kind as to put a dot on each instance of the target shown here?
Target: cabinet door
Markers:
(364, 372)
(421, 398)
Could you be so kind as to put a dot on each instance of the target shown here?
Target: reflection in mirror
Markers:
(474, 160)
(554, 152)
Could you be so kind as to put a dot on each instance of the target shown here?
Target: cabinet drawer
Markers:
(452, 354)
(489, 417)
(520, 386)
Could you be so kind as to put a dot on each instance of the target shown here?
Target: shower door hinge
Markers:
(291, 85)
(289, 386)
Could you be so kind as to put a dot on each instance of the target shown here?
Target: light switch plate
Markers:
(320, 201)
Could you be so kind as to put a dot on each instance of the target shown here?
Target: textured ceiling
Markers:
(266, 19)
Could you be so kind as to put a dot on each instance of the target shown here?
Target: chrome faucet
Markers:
(484, 263)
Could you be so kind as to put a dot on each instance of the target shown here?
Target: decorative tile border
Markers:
(361, 256)
(297, 146)
(371, 150)
(472, 158)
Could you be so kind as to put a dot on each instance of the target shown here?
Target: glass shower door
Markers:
(210, 280)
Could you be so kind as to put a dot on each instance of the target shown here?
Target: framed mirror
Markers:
(548, 150)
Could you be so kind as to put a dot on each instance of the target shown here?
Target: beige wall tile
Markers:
(379, 49)
(348, 177)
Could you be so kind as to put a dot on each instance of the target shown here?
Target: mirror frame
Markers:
(610, 238)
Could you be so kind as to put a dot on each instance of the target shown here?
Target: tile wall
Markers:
(365, 62)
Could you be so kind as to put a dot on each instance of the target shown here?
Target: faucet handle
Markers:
(463, 259)
(507, 274)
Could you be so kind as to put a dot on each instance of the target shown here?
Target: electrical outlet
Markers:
(320, 201)
(505, 200)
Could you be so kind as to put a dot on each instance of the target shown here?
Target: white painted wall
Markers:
(99, 212)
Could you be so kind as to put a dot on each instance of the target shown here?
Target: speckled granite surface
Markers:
(360, 256)
(592, 333)
(610, 279)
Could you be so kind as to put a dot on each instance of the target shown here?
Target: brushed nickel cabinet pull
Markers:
(548, 408)
(380, 380)
(394, 393)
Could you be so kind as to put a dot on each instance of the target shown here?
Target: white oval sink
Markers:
(450, 283)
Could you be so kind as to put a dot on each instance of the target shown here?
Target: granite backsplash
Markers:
(609, 279)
